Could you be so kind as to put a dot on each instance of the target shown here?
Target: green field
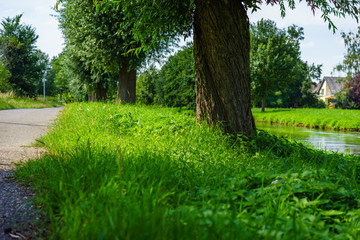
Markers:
(136, 172)
(337, 119)
(10, 101)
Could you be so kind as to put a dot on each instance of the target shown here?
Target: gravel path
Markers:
(18, 128)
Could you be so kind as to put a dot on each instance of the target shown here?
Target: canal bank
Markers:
(336, 119)
(329, 140)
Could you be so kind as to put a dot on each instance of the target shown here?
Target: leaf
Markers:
(332, 213)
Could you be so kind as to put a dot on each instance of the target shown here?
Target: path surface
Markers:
(18, 128)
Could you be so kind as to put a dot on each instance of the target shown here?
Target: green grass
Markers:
(10, 101)
(134, 172)
(337, 119)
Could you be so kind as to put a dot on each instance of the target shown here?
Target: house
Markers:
(327, 88)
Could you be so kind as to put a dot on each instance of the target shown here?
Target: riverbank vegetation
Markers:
(10, 101)
(349, 96)
(337, 119)
(136, 172)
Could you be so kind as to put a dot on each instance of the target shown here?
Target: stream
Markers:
(337, 141)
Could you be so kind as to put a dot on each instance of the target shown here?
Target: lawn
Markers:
(337, 119)
(10, 101)
(136, 172)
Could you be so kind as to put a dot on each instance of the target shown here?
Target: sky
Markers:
(37, 13)
(320, 45)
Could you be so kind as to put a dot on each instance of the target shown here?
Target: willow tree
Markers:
(221, 47)
(99, 43)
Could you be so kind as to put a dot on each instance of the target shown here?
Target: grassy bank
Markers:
(131, 172)
(337, 119)
(10, 101)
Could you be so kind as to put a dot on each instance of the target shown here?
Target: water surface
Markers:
(337, 141)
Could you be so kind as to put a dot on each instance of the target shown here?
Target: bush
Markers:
(349, 98)
(68, 97)
(5, 85)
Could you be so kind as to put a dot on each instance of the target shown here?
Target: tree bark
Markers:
(263, 103)
(101, 92)
(222, 65)
(126, 86)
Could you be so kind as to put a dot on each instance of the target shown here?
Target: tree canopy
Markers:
(351, 62)
(21, 57)
(349, 97)
(277, 71)
(165, 19)
(98, 46)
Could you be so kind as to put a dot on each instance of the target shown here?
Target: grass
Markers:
(10, 101)
(337, 119)
(135, 172)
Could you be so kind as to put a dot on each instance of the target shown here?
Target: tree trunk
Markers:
(92, 95)
(101, 92)
(263, 103)
(126, 86)
(222, 65)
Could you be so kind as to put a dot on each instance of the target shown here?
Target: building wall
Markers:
(324, 92)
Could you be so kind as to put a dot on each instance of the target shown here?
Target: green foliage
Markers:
(95, 36)
(349, 97)
(164, 19)
(97, 45)
(146, 86)
(277, 71)
(50, 86)
(341, 99)
(68, 97)
(125, 172)
(351, 62)
(336, 119)
(74, 77)
(177, 83)
(93, 53)
(174, 84)
(5, 86)
(18, 52)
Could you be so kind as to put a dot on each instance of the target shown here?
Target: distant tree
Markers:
(308, 99)
(42, 67)
(21, 57)
(146, 86)
(350, 96)
(50, 86)
(174, 84)
(73, 76)
(297, 92)
(62, 74)
(176, 79)
(351, 62)
(100, 43)
(277, 71)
